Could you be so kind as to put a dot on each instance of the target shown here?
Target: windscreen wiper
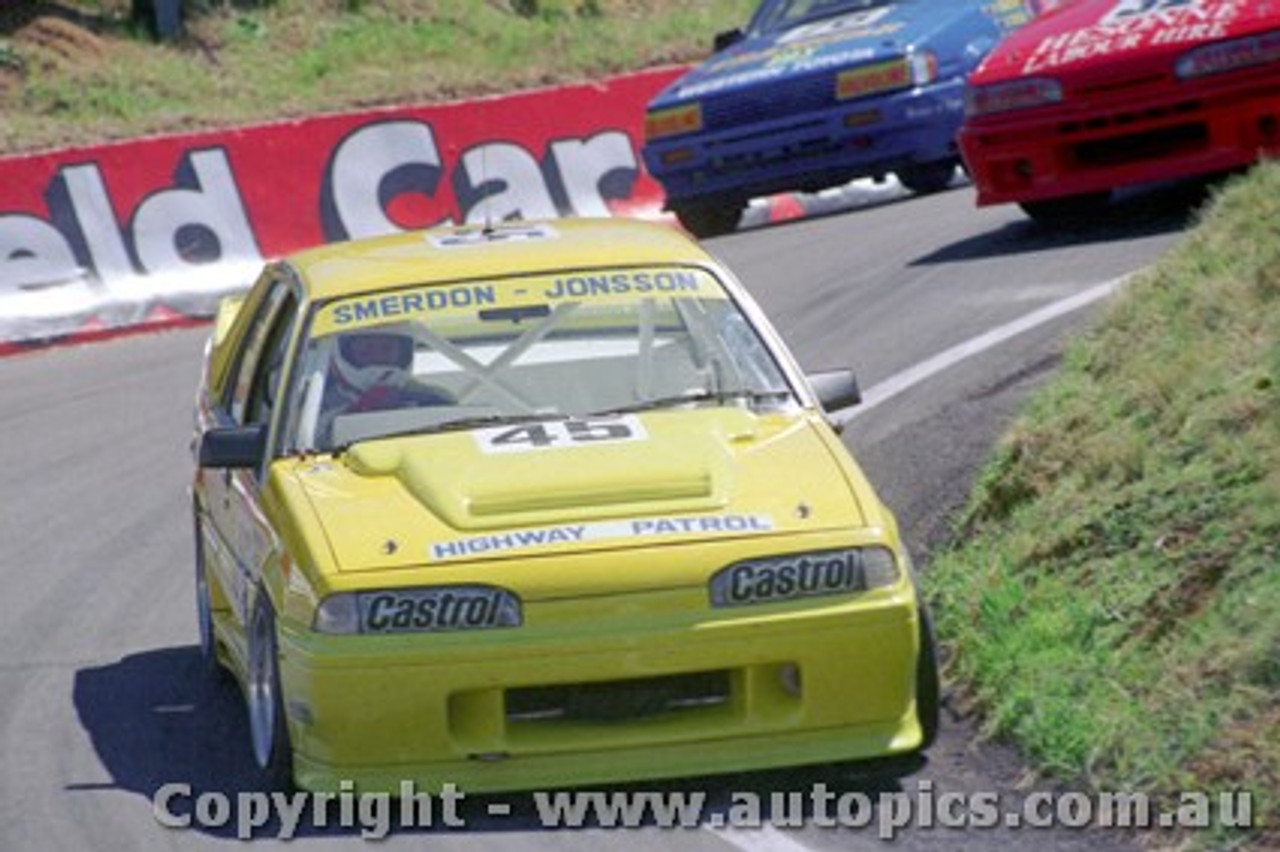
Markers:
(720, 397)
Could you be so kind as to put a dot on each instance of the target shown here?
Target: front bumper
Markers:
(867, 137)
(821, 683)
(1182, 131)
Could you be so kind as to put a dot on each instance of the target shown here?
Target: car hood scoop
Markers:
(677, 476)
(471, 488)
(609, 480)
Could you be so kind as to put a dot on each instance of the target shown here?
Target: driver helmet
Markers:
(365, 359)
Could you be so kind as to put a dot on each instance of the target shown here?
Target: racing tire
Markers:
(1068, 211)
(264, 700)
(210, 665)
(705, 220)
(928, 178)
(928, 684)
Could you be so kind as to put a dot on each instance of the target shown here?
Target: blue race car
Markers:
(816, 93)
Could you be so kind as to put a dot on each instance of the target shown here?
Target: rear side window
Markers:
(251, 393)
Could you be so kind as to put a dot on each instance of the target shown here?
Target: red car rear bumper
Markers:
(1179, 130)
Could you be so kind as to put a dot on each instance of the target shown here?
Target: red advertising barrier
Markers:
(97, 240)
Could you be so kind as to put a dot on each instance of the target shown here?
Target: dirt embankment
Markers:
(35, 36)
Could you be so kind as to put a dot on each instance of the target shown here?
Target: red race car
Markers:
(1099, 94)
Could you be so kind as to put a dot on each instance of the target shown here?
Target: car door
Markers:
(238, 536)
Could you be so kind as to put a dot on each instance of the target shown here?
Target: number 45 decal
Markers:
(552, 434)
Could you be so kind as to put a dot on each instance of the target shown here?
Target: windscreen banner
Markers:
(154, 231)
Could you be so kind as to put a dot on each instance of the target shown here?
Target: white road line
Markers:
(927, 369)
(766, 838)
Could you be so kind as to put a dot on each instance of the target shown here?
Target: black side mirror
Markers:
(234, 446)
(835, 389)
(727, 39)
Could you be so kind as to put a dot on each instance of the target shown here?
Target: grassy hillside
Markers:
(1113, 599)
(79, 71)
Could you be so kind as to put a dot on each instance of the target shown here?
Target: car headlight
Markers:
(673, 121)
(429, 610)
(1014, 94)
(1233, 55)
(804, 575)
(875, 78)
(917, 68)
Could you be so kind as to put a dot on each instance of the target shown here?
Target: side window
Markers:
(251, 356)
(265, 389)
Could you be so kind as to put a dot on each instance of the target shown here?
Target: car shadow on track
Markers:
(157, 718)
(1134, 213)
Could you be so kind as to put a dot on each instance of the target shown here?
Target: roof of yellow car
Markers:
(469, 252)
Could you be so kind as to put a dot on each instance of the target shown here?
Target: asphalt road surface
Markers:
(101, 700)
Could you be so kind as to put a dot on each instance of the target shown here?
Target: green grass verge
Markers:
(1112, 598)
(90, 76)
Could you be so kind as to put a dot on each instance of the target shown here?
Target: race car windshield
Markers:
(448, 357)
(785, 14)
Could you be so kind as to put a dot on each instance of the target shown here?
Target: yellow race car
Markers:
(539, 505)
